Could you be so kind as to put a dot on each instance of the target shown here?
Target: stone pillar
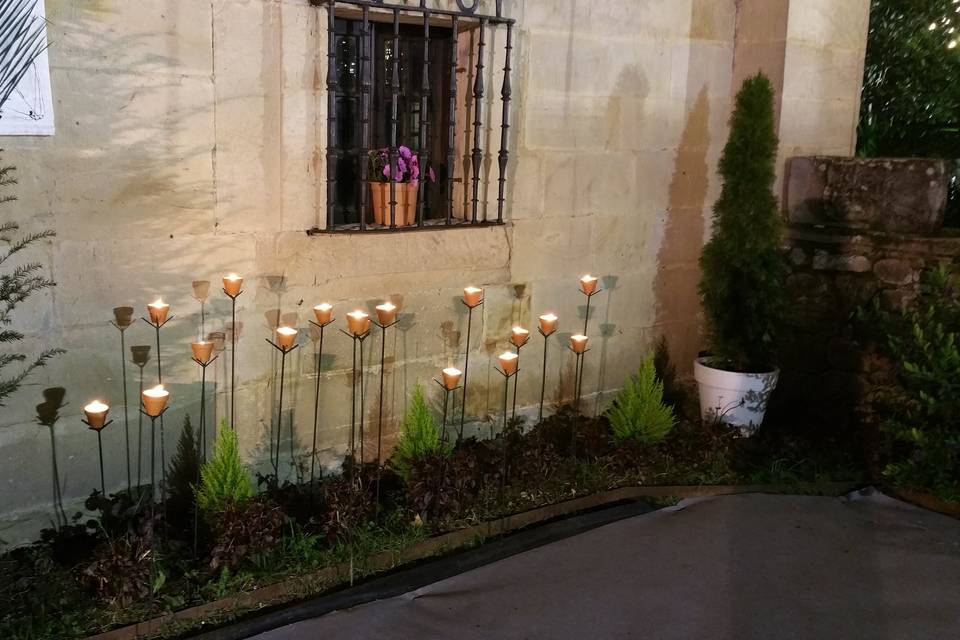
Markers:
(813, 51)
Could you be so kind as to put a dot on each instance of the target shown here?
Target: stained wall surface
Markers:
(191, 143)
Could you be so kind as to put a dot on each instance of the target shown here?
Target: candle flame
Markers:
(97, 407)
(156, 392)
(287, 331)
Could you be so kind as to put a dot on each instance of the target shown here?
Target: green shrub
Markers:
(182, 473)
(419, 436)
(223, 479)
(639, 412)
(743, 267)
(921, 415)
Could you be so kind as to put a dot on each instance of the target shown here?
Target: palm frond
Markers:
(21, 42)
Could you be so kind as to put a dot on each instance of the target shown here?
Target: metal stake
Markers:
(466, 367)
(233, 355)
(126, 414)
(103, 485)
(543, 377)
(357, 340)
(316, 407)
(283, 370)
(383, 354)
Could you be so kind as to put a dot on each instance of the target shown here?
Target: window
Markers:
(411, 80)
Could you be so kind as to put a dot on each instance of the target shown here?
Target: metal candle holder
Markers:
(586, 317)
(316, 403)
(163, 457)
(153, 458)
(443, 431)
(516, 381)
(141, 356)
(283, 369)
(103, 490)
(466, 364)
(577, 384)
(203, 404)
(543, 377)
(506, 385)
(123, 319)
(357, 339)
(383, 354)
(233, 352)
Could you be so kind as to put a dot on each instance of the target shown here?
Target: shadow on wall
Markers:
(678, 272)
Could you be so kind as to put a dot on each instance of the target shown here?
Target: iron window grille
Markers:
(392, 81)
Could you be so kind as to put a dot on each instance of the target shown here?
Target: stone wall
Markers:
(190, 143)
(842, 262)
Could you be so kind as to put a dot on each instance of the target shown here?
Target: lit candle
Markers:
(202, 351)
(324, 313)
(358, 322)
(548, 323)
(473, 296)
(579, 343)
(386, 313)
(451, 378)
(123, 316)
(155, 400)
(588, 284)
(519, 336)
(158, 311)
(286, 336)
(508, 362)
(232, 284)
(96, 413)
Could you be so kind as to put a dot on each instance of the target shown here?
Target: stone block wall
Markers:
(191, 142)
(829, 372)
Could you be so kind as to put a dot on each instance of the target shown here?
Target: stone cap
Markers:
(907, 195)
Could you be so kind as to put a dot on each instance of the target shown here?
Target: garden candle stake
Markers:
(203, 356)
(123, 318)
(159, 316)
(96, 418)
(153, 405)
(472, 298)
(518, 338)
(232, 288)
(386, 318)
(358, 325)
(548, 326)
(286, 342)
(323, 313)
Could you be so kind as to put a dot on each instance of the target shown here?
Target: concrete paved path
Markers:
(738, 567)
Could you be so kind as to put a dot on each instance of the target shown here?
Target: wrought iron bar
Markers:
(452, 130)
(477, 156)
(366, 85)
(505, 93)
(331, 116)
(424, 103)
(470, 12)
(394, 113)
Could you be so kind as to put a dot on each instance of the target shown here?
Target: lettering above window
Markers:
(411, 124)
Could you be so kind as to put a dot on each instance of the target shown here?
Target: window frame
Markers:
(379, 16)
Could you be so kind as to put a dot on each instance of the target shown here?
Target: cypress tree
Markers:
(742, 265)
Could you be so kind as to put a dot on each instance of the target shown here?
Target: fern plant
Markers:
(17, 283)
(223, 479)
(639, 412)
(419, 436)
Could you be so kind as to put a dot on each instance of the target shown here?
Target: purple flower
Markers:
(405, 152)
(386, 171)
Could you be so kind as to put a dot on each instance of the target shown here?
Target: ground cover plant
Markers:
(124, 561)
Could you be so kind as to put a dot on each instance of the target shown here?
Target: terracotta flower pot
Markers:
(406, 209)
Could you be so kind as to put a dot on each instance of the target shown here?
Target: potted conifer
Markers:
(743, 270)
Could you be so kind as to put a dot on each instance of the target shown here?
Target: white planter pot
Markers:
(737, 399)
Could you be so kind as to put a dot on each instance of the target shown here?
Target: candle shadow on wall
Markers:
(563, 362)
(606, 332)
(48, 413)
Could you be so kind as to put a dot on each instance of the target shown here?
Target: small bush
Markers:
(120, 570)
(922, 414)
(184, 468)
(223, 479)
(639, 413)
(419, 436)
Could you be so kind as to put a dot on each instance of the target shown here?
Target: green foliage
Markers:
(223, 479)
(638, 412)
(184, 468)
(910, 88)
(419, 436)
(17, 283)
(922, 414)
(743, 266)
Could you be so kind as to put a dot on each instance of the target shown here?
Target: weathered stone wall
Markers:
(191, 142)
(830, 372)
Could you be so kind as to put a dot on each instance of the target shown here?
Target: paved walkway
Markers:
(737, 567)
